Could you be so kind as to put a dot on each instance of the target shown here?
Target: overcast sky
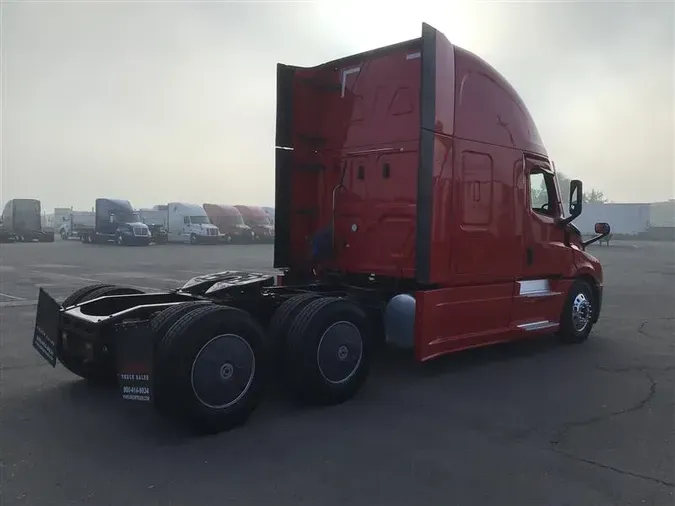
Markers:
(176, 101)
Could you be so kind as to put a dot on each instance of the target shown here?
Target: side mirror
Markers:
(576, 197)
(576, 202)
(602, 229)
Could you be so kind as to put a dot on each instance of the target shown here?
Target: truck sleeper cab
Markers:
(189, 223)
(156, 222)
(22, 221)
(116, 221)
(408, 188)
(258, 220)
(230, 223)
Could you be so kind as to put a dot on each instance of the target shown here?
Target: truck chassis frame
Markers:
(116, 336)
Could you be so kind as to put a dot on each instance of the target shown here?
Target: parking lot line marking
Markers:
(11, 296)
(91, 280)
(18, 303)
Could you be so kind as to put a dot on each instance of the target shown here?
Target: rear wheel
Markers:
(576, 321)
(328, 351)
(212, 362)
(160, 324)
(282, 320)
(102, 368)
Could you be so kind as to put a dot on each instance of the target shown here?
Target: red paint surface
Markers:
(486, 142)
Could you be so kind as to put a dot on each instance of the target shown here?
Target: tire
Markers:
(228, 239)
(109, 290)
(194, 398)
(193, 239)
(283, 319)
(160, 324)
(76, 296)
(120, 240)
(308, 363)
(64, 235)
(576, 320)
(163, 320)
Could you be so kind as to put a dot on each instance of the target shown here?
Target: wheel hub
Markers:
(226, 371)
(581, 312)
(340, 352)
(222, 371)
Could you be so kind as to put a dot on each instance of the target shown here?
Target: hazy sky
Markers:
(176, 101)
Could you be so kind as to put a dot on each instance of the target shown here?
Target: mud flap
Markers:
(47, 337)
(135, 350)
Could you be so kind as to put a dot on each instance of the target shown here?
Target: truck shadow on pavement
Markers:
(86, 410)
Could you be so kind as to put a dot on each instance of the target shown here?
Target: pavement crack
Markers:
(614, 469)
(567, 427)
(641, 328)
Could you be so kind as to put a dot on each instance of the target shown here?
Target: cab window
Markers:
(186, 220)
(543, 193)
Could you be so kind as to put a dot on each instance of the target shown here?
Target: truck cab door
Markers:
(186, 227)
(546, 259)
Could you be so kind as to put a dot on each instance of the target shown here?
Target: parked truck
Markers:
(22, 221)
(156, 222)
(256, 218)
(270, 213)
(230, 223)
(59, 214)
(6, 234)
(188, 223)
(77, 223)
(116, 221)
(411, 224)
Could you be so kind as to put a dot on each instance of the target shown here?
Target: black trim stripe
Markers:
(283, 167)
(425, 172)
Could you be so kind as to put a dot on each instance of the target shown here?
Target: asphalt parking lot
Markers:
(529, 423)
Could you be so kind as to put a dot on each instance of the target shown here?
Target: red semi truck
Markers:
(230, 223)
(406, 212)
(259, 221)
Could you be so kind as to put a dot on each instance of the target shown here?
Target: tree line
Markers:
(590, 197)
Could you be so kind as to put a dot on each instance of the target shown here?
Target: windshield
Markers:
(127, 217)
(199, 220)
(258, 218)
(231, 220)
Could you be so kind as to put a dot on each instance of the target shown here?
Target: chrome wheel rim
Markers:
(581, 312)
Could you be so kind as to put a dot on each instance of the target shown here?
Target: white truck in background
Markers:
(75, 223)
(60, 215)
(188, 223)
(156, 222)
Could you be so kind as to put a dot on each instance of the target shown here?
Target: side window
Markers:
(543, 198)
(186, 220)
